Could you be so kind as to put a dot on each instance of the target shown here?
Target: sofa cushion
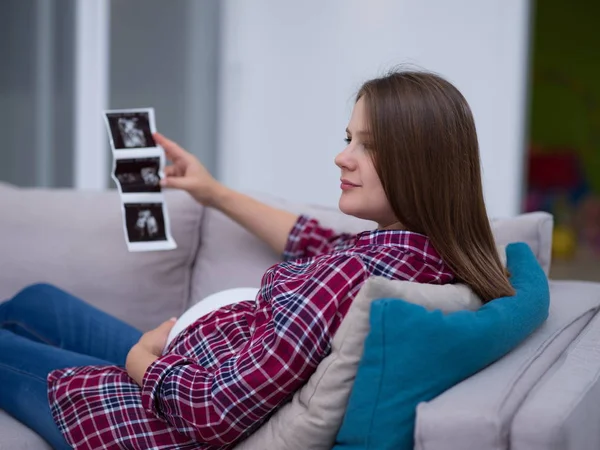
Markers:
(75, 240)
(561, 412)
(412, 355)
(535, 229)
(16, 436)
(232, 257)
(479, 413)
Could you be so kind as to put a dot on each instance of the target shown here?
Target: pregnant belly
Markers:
(209, 304)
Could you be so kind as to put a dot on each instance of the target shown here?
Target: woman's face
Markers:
(362, 192)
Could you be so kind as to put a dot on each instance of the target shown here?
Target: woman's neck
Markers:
(393, 226)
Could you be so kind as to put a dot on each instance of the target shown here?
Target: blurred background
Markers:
(261, 91)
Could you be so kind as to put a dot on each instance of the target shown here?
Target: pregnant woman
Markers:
(84, 379)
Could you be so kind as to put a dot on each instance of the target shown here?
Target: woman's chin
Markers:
(354, 209)
(348, 207)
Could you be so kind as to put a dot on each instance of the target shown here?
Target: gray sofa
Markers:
(543, 395)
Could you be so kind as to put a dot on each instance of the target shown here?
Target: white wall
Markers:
(90, 162)
(289, 71)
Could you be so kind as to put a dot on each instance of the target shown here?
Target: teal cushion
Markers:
(412, 355)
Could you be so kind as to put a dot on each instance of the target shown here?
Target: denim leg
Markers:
(46, 314)
(24, 366)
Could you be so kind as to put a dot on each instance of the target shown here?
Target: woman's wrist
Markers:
(218, 196)
(138, 360)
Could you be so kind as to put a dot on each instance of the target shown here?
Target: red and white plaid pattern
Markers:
(228, 372)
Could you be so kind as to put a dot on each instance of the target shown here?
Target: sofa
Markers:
(545, 394)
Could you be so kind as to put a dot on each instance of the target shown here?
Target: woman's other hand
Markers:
(154, 341)
(187, 172)
(148, 349)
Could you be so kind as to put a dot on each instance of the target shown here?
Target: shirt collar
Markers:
(415, 243)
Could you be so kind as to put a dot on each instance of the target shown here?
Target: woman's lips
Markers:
(347, 185)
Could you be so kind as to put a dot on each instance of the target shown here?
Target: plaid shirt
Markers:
(228, 372)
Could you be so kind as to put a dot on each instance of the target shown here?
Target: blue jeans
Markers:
(41, 329)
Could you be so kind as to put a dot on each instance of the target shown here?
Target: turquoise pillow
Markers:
(412, 355)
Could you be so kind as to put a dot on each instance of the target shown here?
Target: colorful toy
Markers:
(564, 242)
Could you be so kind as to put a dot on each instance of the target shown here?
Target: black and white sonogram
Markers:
(138, 165)
(145, 222)
(130, 130)
(138, 174)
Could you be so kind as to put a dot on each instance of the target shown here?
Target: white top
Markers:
(209, 304)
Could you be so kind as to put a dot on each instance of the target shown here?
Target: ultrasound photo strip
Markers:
(138, 175)
(131, 128)
(147, 226)
(138, 167)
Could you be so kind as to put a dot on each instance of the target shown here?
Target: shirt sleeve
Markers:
(221, 406)
(308, 238)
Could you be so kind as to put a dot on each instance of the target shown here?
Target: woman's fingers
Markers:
(186, 170)
(171, 171)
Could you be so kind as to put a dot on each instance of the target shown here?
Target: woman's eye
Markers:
(347, 140)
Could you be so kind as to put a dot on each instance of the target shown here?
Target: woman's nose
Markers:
(343, 159)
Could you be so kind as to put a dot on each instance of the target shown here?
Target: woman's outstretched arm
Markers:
(270, 224)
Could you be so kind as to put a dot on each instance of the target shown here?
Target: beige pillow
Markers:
(312, 418)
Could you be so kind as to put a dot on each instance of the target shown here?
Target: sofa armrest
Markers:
(479, 412)
(563, 411)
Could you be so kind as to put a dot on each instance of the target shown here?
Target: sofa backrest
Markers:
(231, 257)
(75, 240)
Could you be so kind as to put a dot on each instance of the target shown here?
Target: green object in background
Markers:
(565, 109)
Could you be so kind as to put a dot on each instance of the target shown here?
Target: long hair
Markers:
(426, 154)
